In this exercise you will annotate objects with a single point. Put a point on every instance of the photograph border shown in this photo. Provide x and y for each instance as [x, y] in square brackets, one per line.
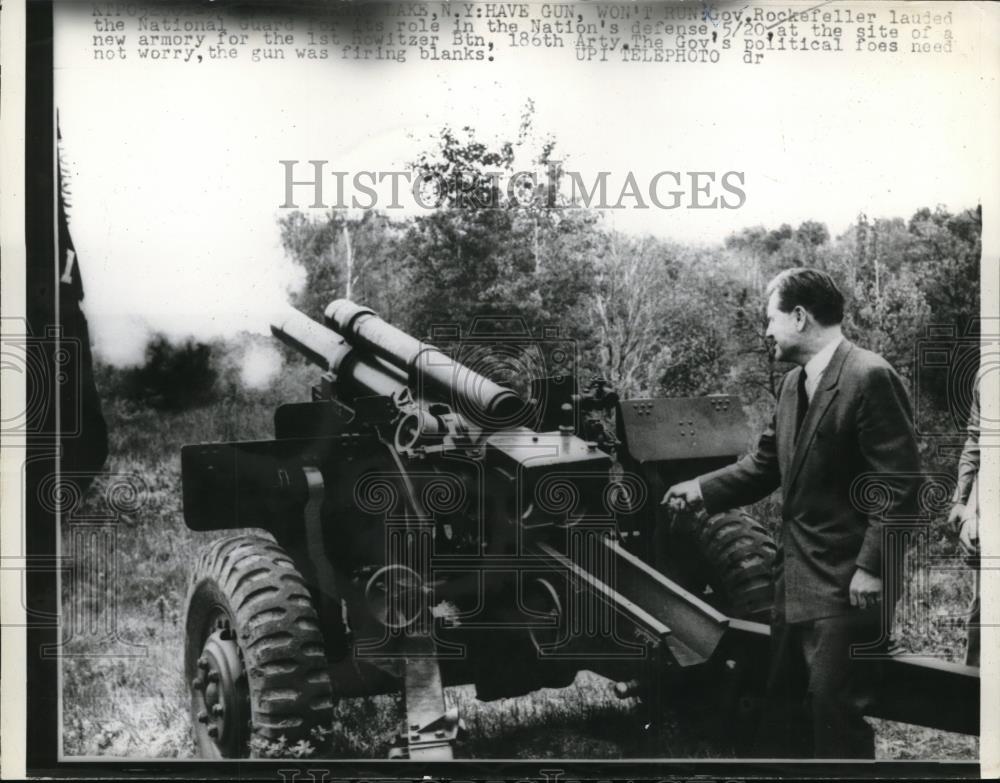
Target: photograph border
[43, 756]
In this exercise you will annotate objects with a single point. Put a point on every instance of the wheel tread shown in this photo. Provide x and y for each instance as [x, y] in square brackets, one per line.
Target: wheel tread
[278, 632]
[741, 554]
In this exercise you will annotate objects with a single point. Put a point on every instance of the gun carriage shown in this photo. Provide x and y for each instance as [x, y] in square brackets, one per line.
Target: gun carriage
[419, 525]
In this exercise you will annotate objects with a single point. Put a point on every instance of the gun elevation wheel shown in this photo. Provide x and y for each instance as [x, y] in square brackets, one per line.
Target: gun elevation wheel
[254, 657]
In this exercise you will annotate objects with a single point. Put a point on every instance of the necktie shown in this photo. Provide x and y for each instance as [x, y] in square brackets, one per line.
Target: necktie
[803, 403]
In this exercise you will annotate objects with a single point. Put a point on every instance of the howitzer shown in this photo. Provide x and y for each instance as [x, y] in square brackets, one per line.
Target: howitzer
[423, 525]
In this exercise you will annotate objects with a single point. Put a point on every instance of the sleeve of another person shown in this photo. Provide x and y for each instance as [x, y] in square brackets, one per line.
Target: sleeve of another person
[968, 462]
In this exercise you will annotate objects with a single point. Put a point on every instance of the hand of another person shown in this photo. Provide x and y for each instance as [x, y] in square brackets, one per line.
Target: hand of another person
[685, 496]
[968, 535]
[956, 514]
[865, 589]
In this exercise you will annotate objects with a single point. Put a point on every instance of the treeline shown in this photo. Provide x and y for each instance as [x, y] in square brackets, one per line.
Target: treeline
[652, 316]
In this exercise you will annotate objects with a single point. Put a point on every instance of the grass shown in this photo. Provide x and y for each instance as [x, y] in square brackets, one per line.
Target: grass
[124, 695]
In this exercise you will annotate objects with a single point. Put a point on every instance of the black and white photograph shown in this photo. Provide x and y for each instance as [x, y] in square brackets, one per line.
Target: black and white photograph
[494, 391]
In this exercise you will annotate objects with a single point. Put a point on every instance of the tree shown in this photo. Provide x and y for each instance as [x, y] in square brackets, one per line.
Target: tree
[625, 308]
[889, 319]
[810, 236]
[945, 255]
[322, 247]
[312, 243]
[497, 245]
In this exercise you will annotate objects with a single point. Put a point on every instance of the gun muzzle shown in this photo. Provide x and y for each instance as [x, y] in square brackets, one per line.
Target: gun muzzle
[432, 374]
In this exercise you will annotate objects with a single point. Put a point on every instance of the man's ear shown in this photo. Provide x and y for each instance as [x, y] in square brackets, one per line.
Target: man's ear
[801, 317]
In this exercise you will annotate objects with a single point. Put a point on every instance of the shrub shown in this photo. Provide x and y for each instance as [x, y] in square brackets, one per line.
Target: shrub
[174, 377]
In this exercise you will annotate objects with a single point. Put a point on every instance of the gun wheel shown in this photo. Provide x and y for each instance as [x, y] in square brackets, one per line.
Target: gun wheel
[254, 656]
[740, 554]
[732, 554]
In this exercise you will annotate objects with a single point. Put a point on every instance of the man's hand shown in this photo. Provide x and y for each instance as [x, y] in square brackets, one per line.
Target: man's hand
[968, 535]
[956, 514]
[685, 496]
[866, 589]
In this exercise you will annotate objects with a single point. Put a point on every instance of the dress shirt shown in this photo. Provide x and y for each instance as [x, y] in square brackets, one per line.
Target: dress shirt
[814, 367]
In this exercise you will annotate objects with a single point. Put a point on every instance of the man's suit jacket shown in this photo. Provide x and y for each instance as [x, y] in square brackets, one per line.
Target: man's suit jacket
[859, 422]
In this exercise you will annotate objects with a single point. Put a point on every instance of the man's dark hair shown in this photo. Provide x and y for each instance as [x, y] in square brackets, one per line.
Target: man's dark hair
[812, 290]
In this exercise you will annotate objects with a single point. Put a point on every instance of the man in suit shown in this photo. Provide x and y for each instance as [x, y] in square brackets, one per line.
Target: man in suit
[842, 416]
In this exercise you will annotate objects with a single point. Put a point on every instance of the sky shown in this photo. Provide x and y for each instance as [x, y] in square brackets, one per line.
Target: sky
[176, 182]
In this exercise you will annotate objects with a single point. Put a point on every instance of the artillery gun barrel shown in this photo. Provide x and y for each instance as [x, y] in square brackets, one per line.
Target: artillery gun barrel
[431, 373]
[357, 375]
